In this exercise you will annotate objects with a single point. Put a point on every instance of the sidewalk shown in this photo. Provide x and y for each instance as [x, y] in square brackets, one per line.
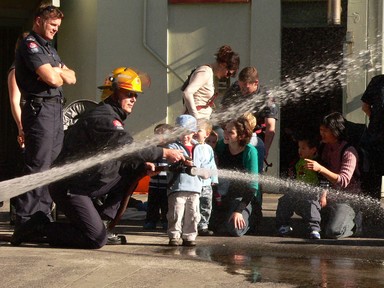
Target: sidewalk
[147, 261]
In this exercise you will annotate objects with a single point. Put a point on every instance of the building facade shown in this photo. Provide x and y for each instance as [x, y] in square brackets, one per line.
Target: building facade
[167, 38]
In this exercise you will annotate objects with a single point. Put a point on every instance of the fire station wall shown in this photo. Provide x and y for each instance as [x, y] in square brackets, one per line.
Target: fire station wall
[99, 36]
[196, 31]
[153, 35]
[356, 45]
[77, 47]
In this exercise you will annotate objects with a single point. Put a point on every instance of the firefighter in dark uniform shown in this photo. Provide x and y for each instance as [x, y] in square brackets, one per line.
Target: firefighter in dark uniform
[40, 74]
[99, 130]
[373, 140]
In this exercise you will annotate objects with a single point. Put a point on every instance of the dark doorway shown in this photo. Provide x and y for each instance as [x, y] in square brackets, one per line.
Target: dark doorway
[10, 153]
[15, 17]
[304, 51]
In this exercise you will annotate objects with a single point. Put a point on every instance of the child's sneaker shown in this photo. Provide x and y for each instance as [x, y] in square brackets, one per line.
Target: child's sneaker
[174, 242]
[189, 243]
[205, 232]
[315, 235]
[285, 230]
[150, 225]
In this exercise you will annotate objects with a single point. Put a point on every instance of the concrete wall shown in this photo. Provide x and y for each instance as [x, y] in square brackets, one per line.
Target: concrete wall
[98, 36]
[356, 42]
[77, 46]
[364, 47]
[166, 41]
[195, 32]
[265, 54]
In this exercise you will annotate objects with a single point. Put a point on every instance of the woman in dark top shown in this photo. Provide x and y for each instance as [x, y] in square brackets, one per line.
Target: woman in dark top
[235, 153]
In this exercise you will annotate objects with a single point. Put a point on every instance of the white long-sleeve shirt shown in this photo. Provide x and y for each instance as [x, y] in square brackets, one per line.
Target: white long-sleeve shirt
[204, 157]
[199, 91]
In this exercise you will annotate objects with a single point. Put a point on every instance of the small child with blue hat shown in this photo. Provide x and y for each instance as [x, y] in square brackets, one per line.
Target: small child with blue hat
[184, 189]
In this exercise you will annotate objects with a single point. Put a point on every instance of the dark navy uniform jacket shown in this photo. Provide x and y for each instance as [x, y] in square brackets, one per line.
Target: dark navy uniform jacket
[101, 130]
[33, 52]
[374, 96]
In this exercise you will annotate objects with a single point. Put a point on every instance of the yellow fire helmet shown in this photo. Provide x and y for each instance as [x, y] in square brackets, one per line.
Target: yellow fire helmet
[107, 86]
[125, 78]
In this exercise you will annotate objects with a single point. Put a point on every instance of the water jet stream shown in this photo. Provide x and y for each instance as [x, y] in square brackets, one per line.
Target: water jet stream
[321, 79]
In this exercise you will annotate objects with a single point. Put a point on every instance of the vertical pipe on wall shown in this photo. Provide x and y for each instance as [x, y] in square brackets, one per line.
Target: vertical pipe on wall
[381, 19]
[334, 12]
[56, 3]
[153, 52]
[381, 32]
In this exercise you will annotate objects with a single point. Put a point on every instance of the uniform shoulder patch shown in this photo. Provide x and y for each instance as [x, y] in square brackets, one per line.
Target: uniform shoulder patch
[30, 38]
[32, 46]
[118, 125]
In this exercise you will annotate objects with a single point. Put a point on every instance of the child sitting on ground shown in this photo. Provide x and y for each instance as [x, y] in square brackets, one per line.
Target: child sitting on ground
[309, 206]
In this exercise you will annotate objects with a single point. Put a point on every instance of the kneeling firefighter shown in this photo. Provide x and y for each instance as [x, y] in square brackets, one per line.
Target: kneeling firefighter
[101, 129]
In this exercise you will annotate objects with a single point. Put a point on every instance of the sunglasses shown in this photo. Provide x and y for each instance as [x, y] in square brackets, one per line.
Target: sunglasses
[231, 73]
[50, 9]
[130, 94]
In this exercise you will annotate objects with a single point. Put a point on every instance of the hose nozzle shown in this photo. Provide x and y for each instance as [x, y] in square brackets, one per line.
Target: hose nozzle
[179, 168]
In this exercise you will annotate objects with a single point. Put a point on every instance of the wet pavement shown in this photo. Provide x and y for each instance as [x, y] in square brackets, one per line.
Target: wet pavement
[263, 260]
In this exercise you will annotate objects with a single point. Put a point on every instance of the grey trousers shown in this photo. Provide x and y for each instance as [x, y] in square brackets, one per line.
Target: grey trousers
[308, 208]
[340, 222]
[205, 207]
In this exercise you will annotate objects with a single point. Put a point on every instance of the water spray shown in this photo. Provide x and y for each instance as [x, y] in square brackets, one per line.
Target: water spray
[17, 186]
[370, 207]
[320, 79]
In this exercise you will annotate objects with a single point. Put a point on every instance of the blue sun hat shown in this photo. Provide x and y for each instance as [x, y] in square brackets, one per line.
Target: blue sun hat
[187, 122]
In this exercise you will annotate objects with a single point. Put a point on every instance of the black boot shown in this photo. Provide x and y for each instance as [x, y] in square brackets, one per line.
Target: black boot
[112, 238]
[33, 227]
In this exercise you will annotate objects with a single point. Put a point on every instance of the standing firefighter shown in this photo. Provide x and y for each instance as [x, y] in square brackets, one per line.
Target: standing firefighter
[40, 75]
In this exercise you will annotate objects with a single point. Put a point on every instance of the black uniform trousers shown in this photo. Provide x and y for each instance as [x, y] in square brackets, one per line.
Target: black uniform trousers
[42, 120]
[86, 229]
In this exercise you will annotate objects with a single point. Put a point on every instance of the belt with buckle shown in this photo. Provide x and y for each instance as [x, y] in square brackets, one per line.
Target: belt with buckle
[54, 99]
